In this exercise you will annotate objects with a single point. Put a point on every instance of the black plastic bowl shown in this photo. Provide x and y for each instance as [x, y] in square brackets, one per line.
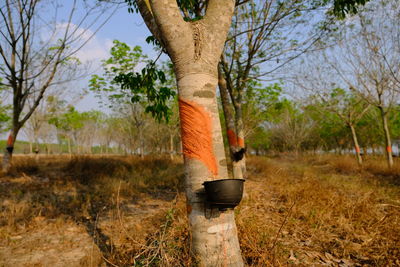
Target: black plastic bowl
[224, 193]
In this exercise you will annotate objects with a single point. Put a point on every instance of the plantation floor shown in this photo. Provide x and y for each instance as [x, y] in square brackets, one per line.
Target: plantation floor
[124, 211]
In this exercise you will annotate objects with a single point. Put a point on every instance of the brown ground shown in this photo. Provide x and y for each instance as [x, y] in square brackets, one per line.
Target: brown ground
[124, 211]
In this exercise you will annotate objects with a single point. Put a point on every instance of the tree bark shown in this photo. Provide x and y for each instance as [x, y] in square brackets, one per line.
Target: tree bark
[195, 49]
[8, 153]
[388, 141]
[356, 145]
[241, 159]
[212, 237]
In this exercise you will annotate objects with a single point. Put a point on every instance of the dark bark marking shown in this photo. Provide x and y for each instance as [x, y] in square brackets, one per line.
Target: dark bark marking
[204, 94]
[238, 155]
[223, 162]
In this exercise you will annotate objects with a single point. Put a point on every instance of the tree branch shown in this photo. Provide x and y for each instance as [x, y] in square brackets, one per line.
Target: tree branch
[164, 20]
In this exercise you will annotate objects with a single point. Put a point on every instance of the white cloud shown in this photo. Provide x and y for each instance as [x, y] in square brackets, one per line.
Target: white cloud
[94, 49]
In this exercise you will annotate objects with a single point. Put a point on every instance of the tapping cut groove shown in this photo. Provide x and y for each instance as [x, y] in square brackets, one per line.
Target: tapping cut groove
[196, 128]
[197, 38]
[10, 140]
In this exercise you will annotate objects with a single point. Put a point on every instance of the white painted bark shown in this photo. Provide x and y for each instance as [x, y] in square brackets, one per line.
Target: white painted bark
[241, 164]
[195, 48]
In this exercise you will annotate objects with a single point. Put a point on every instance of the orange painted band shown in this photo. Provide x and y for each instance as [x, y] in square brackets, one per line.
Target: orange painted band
[389, 149]
[196, 130]
[233, 139]
[240, 142]
[10, 142]
[357, 149]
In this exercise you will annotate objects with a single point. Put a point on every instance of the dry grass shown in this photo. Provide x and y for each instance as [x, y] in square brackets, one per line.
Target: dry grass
[312, 214]
[309, 211]
[125, 204]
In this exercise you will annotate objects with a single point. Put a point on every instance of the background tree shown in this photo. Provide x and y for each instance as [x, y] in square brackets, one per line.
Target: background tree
[330, 133]
[122, 82]
[265, 35]
[130, 91]
[321, 86]
[68, 125]
[342, 8]
[36, 52]
[4, 109]
[37, 127]
[4, 118]
[293, 128]
[367, 57]
[262, 106]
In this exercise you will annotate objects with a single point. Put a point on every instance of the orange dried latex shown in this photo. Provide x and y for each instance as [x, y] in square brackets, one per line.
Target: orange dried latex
[10, 141]
[240, 142]
[196, 131]
[234, 140]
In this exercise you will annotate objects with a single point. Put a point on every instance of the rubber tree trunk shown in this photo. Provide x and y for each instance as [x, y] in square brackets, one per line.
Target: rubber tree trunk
[388, 141]
[236, 152]
[8, 153]
[214, 239]
[356, 145]
[195, 49]
[241, 160]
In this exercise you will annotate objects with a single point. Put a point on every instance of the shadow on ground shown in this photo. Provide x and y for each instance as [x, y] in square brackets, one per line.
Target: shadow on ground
[111, 198]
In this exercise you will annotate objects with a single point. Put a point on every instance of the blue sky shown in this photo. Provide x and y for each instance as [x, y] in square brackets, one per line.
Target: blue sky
[123, 26]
